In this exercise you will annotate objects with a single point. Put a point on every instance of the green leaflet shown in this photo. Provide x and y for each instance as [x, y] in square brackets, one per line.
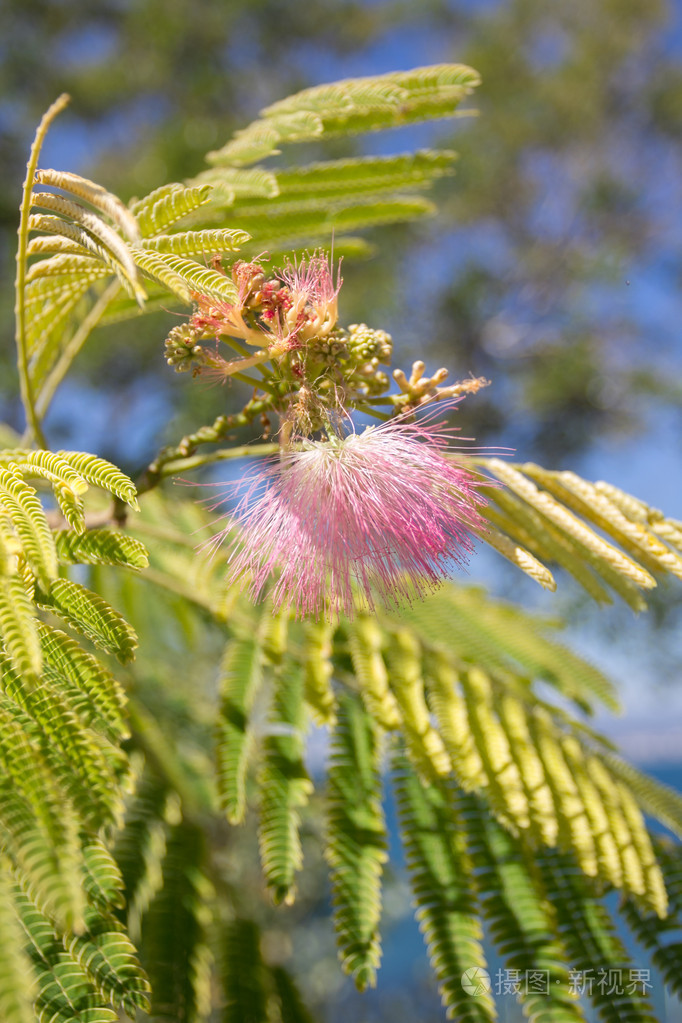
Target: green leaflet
[18, 628]
[196, 276]
[662, 936]
[241, 675]
[253, 991]
[505, 788]
[166, 205]
[69, 473]
[244, 974]
[100, 547]
[93, 194]
[234, 183]
[76, 223]
[317, 649]
[654, 797]
[365, 639]
[140, 848]
[495, 635]
[446, 698]
[589, 937]
[352, 106]
[22, 505]
[356, 839]
[51, 466]
[84, 672]
[39, 835]
[66, 992]
[103, 474]
[424, 744]
[109, 959]
[300, 224]
[205, 243]
[102, 880]
[284, 785]
[554, 514]
[520, 917]
[91, 615]
[365, 174]
[173, 946]
[291, 1006]
[82, 766]
[17, 983]
[447, 908]
[71, 508]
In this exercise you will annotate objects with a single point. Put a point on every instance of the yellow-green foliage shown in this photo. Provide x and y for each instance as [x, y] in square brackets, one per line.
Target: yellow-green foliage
[513, 811]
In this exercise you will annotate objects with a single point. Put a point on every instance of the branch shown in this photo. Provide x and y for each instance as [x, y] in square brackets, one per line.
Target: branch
[177, 456]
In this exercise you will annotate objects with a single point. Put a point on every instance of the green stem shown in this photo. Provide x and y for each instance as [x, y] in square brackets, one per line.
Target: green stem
[212, 434]
[223, 455]
[373, 412]
[34, 430]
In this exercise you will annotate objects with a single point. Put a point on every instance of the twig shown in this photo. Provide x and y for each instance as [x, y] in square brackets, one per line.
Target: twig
[33, 430]
[217, 431]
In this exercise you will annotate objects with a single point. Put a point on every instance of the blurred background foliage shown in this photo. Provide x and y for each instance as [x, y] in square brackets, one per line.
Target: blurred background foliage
[546, 265]
[553, 266]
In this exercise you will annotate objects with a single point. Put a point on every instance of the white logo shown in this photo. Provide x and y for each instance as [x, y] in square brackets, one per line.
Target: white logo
[476, 981]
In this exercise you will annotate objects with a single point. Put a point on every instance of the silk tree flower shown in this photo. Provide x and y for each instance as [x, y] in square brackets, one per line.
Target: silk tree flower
[282, 314]
[313, 292]
[337, 525]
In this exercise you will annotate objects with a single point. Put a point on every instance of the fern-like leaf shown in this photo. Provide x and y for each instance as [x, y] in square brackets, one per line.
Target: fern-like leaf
[300, 223]
[85, 768]
[174, 947]
[18, 628]
[352, 106]
[366, 640]
[102, 879]
[50, 466]
[554, 514]
[81, 670]
[446, 903]
[189, 243]
[185, 276]
[140, 848]
[21, 503]
[167, 205]
[589, 937]
[520, 916]
[17, 982]
[424, 744]
[284, 785]
[245, 976]
[65, 991]
[94, 194]
[241, 675]
[370, 174]
[91, 615]
[37, 823]
[100, 547]
[103, 474]
[109, 959]
[317, 649]
[291, 1006]
[356, 839]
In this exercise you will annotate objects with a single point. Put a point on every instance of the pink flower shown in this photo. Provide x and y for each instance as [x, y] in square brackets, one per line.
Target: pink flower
[382, 514]
[313, 311]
